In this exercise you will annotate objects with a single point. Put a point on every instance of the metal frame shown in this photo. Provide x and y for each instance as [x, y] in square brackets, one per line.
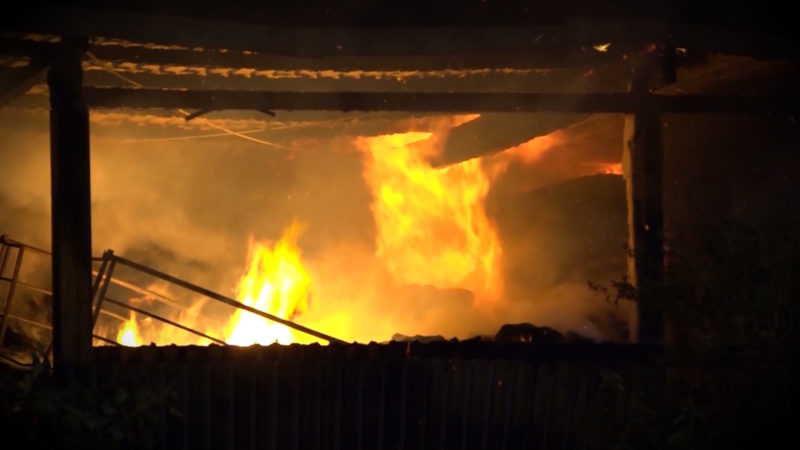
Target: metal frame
[104, 277]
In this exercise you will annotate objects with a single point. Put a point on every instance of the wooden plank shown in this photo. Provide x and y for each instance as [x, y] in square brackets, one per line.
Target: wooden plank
[438, 102]
[71, 210]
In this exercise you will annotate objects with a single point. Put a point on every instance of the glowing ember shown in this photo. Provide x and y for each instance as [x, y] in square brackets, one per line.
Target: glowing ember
[129, 334]
[431, 224]
[611, 168]
[275, 283]
[602, 47]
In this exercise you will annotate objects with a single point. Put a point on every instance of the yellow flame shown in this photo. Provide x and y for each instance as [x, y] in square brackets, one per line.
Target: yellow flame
[431, 224]
[275, 283]
[129, 334]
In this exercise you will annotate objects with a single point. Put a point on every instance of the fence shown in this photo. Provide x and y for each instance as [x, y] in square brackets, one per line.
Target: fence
[451, 395]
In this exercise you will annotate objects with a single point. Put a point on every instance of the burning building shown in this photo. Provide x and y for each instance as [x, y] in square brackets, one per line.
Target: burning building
[308, 178]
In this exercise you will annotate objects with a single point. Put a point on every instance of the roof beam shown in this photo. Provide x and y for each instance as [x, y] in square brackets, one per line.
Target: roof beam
[570, 35]
[624, 103]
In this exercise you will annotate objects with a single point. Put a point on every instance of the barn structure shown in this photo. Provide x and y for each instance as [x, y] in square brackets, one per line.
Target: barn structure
[697, 102]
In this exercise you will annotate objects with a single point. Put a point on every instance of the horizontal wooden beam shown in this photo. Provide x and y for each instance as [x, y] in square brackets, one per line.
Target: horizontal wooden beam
[623, 103]
[143, 54]
[485, 57]
[295, 41]
[565, 34]
[427, 13]
[550, 59]
[493, 133]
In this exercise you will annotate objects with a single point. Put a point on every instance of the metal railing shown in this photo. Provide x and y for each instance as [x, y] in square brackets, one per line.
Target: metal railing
[12, 253]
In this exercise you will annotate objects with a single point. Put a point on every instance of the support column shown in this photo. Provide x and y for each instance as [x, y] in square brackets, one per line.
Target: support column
[71, 210]
[642, 163]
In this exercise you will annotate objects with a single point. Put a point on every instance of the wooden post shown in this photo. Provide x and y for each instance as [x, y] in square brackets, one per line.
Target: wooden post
[71, 210]
[643, 173]
[642, 163]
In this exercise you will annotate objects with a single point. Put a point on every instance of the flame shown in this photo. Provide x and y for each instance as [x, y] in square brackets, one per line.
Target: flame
[129, 334]
[526, 153]
[275, 283]
[431, 224]
[611, 168]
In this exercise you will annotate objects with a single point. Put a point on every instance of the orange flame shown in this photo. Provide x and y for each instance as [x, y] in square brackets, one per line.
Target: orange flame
[275, 283]
[610, 168]
[129, 334]
[431, 223]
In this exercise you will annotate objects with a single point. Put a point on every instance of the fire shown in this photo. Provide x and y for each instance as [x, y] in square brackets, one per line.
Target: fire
[528, 152]
[275, 283]
[611, 168]
[129, 334]
[431, 224]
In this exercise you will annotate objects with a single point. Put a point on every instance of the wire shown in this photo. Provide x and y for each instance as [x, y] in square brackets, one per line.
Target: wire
[184, 138]
[108, 68]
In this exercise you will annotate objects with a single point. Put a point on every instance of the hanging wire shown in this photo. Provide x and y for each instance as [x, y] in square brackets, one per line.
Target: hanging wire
[110, 69]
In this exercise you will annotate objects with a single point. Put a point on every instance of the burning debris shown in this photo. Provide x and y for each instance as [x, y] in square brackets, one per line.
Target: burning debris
[277, 283]
[129, 334]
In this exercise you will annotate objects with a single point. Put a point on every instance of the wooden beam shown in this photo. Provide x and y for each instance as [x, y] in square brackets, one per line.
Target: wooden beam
[492, 133]
[415, 38]
[280, 40]
[426, 13]
[71, 210]
[125, 53]
[623, 103]
[642, 161]
[133, 52]
[547, 59]
[495, 132]
[162, 77]
[643, 169]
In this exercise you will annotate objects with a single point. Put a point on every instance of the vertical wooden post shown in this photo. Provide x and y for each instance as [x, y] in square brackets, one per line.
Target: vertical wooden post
[643, 173]
[642, 163]
[71, 210]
